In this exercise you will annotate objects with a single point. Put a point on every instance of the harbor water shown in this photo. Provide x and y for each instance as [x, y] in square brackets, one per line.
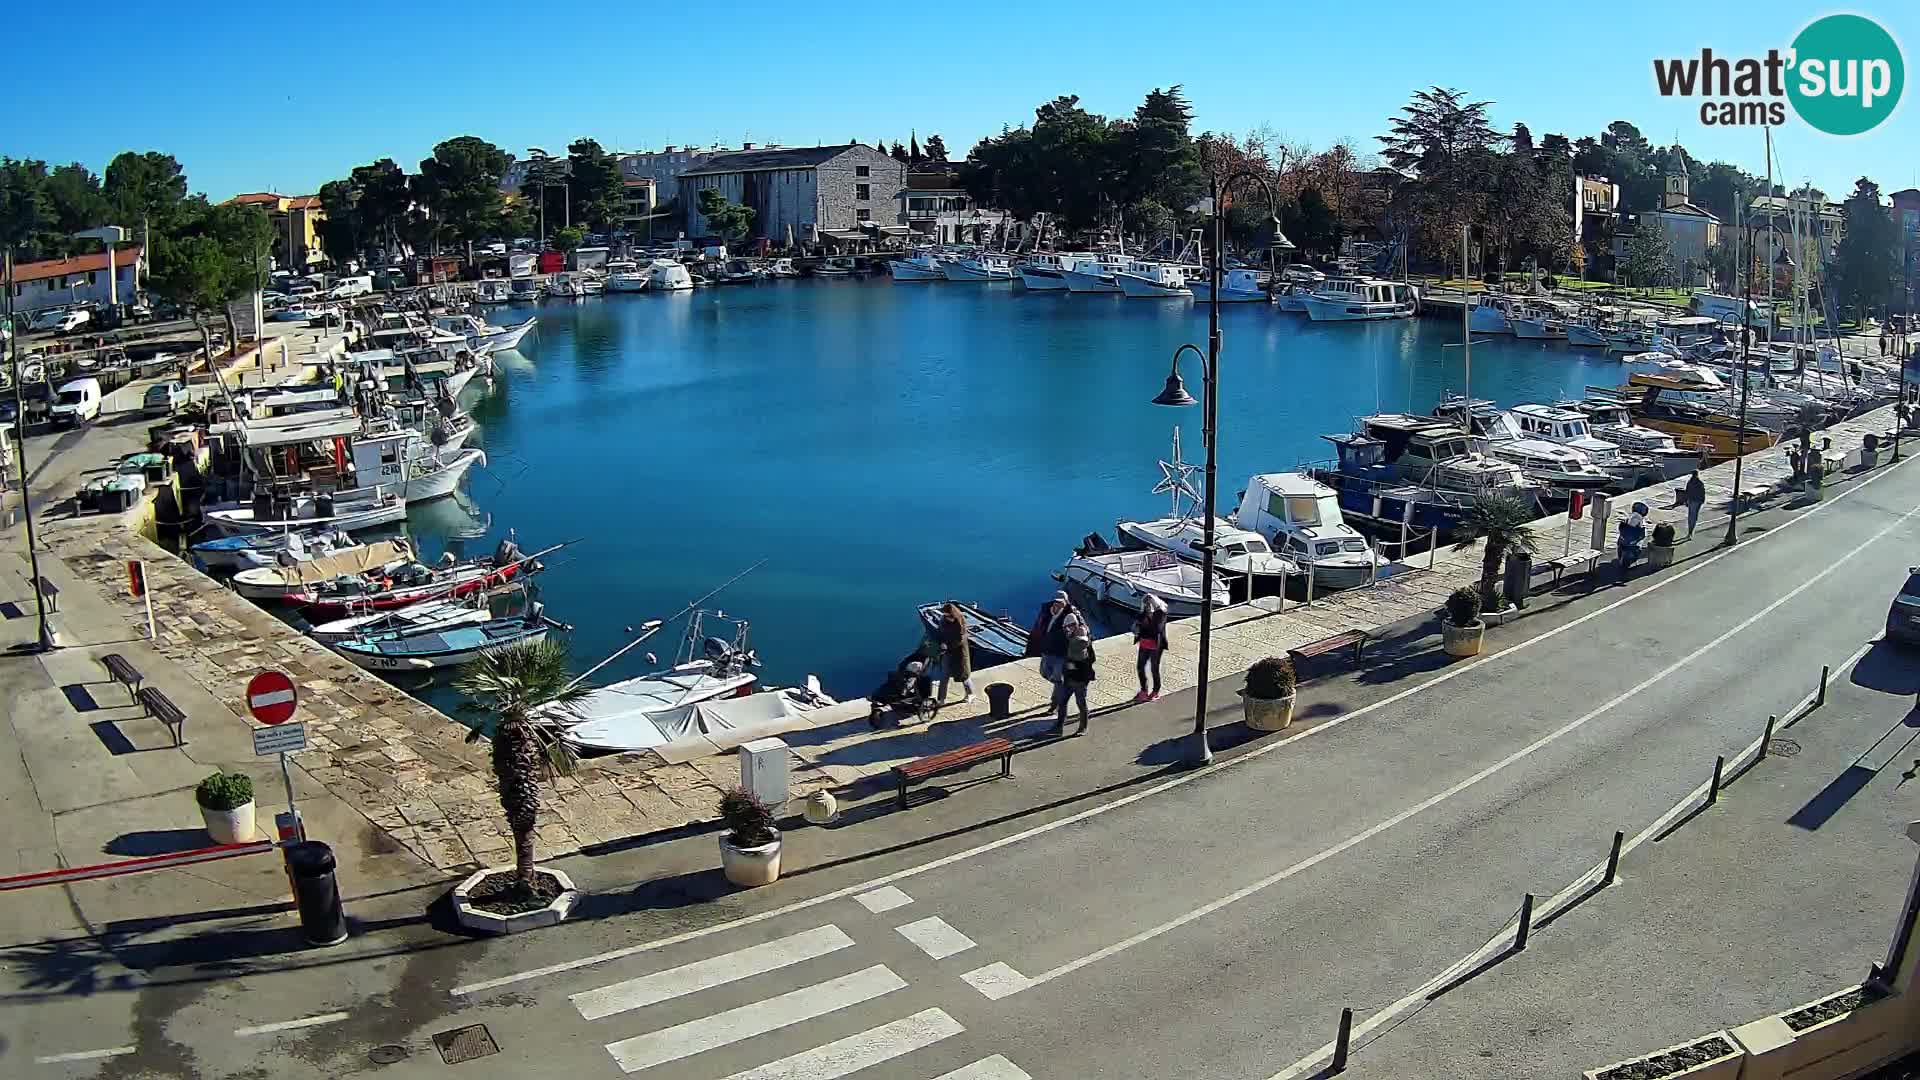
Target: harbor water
[884, 445]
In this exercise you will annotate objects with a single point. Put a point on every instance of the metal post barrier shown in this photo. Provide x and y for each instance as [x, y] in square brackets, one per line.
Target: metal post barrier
[1309, 584]
[1820, 698]
[1613, 860]
[1341, 1042]
[1713, 792]
[1766, 737]
[1526, 924]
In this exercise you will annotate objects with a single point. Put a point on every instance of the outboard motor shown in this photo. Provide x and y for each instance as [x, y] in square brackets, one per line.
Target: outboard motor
[1094, 544]
[508, 552]
[263, 505]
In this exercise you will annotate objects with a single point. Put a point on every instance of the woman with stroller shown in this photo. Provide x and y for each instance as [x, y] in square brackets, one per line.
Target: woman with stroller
[956, 661]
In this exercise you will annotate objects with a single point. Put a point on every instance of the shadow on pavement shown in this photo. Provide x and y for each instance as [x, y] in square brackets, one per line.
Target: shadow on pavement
[156, 842]
[1888, 668]
[1821, 808]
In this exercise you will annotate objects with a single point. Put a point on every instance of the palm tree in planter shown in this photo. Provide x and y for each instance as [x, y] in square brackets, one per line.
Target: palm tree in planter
[510, 685]
[1268, 697]
[1461, 627]
[1501, 520]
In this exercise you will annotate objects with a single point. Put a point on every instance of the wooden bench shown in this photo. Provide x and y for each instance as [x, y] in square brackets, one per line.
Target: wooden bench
[124, 673]
[1355, 638]
[964, 757]
[51, 591]
[162, 708]
[1585, 559]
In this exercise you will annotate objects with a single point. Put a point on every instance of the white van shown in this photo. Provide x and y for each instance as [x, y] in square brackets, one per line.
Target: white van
[77, 403]
[359, 285]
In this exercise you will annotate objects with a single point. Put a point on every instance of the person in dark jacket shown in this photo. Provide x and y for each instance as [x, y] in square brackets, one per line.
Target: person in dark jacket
[1048, 638]
[1695, 497]
[1150, 638]
[956, 659]
[1075, 677]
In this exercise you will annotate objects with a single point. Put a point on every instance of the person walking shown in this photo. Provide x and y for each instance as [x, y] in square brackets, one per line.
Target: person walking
[1694, 497]
[1048, 637]
[1150, 638]
[1075, 677]
[956, 659]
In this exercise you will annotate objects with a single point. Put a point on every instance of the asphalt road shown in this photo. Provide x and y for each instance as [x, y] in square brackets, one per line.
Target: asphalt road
[1208, 924]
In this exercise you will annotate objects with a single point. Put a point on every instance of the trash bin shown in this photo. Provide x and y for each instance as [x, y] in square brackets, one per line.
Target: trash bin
[316, 893]
[1519, 579]
[1000, 700]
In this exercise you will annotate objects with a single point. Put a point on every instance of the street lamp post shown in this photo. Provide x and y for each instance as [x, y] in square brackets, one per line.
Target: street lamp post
[1746, 388]
[1175, 394]
[539, 158]
[47, 640]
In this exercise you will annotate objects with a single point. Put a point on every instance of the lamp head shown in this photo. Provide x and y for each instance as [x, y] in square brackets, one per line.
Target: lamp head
[1175, 392]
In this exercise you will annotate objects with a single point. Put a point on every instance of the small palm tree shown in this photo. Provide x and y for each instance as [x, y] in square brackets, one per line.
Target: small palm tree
[1502, 520]
[510, 685]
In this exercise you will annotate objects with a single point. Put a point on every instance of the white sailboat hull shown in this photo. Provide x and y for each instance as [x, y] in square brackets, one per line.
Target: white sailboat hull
[1142, 288]
[904, 270]
[508, 337]
[426, 483]
[240, 520]
[1081, 282]
[1320, 310]
[1203, 292]
[1043, 280]
[961, 271]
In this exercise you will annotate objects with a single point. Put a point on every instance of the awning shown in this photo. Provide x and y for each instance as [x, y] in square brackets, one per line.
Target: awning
[891, 230]
[844, 234]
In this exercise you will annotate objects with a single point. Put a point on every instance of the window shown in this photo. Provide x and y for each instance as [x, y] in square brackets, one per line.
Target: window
[863, 215]
[862, 170]
[863, 191]
[1303, 510]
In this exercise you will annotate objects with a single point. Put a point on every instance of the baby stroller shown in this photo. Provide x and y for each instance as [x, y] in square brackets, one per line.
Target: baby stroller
[907, 693]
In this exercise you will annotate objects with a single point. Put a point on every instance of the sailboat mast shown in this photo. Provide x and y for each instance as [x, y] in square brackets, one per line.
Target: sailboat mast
[1466, 327]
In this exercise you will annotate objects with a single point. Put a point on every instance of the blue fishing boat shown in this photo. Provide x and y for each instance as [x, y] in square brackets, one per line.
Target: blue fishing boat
[444, 648]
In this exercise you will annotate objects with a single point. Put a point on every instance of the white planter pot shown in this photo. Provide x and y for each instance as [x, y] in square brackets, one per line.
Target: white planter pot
[1660, 556]
[233, 826]
[1462, 640]
[750, 867]
[474, 918]
[1268, 714]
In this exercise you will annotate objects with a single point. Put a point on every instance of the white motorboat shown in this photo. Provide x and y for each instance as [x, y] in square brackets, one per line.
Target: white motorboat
[1612, 421]
[479, 333]
[1490, 314]
[1236, 287]
[665, 275]
[782, 268]
[920, 266]
[1569, 427]
[492, 291]
[1046, 271]
[1241, 555]
[275, 513]
[266, 549]
[1587, 335]
[1158, 280]
[1361, 300]
[286, 582]
[1301, 516]
[726, 721]
[1126, 578]
[423, 478]
[1095, 273]
[704, 668]
[444, 647]
[419, 618]
[1439, 455]
[982, 266]
[1539, 321]
[567, 285]
[625, 276]
[1293, 298]
[1559, 465]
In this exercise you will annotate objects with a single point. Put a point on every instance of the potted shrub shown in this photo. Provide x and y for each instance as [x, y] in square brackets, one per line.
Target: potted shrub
[226, 805]
[750, 843]
[1660, 551]
[1462, 628]
[1268, 695]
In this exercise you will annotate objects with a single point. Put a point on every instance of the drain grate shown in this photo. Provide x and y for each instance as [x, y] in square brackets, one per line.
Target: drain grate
[387, 1054]
[465, 1044]
[1783, 748]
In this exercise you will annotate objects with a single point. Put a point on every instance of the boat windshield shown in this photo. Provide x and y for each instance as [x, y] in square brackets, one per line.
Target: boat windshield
[1355, 545]
[1255, 546]
[1327, 547]
[1233, 549]
[1303, 509]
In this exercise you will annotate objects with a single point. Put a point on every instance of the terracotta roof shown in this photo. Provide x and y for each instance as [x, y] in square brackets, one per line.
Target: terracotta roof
[303, 202]
[79, 264]
[257, 198]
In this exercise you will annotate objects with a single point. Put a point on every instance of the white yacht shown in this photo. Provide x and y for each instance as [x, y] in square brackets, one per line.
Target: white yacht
[782, 268]
[665, 275]
[1145, 280]
[625, 276]
[1491, 314]
[480, 333]
[1301, 516]
[920, 266]
[492, 291]
[1240, 554]
[983, 266]
[1361, 300]
[1293, 298]
[1236, 287]
[1612, 421]
[1095, 273]
[567, 284]
[1558, 466]
[617, 716]
[1539, 321]
[1126, 578]
[1046, 271]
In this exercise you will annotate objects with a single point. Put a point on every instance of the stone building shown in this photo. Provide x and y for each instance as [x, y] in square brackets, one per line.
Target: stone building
[809, 194]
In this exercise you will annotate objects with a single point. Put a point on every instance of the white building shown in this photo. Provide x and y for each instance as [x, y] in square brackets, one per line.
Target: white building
[82, 279]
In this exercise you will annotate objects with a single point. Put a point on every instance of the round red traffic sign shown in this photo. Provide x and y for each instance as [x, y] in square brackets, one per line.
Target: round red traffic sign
[271, 698]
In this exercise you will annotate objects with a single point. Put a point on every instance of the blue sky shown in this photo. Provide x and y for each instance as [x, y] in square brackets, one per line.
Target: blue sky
[285, 97]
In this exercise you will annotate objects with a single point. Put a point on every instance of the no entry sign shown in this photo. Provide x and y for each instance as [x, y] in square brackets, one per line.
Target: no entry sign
[271, 698]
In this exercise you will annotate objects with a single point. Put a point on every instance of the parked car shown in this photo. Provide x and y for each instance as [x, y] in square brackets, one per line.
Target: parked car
[1903, 617]
[162, 399]
[78, 403]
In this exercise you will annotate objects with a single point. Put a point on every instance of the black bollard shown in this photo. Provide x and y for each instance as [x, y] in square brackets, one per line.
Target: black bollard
[316, 893]
[1613, 859]
[1000, 700]
[1342, 1042]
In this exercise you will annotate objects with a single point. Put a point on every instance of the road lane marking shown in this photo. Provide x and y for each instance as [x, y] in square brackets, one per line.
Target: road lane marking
[991, 1068]
[771, 1014]
[996, 980]
[705, 974]
[935, 937]
[883, 899]
[1451, 673]
[855, 1052]
[1441, 796]
[84, 1055]
[291, 1025]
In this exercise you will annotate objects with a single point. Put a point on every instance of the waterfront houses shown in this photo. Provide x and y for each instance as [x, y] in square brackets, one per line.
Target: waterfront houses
[807, 194]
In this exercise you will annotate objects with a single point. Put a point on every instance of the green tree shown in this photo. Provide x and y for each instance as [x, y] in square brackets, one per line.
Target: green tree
[899, 153]
[144, 188]
[461, 182]
[596, 187]
[565, 240]
[1155, 156]
[1501, 522]
[729, 220]
[511, 686]
[216, 256]
[935, 150]
[1446, 141]
[1312, 224]
[23, 205]
[341, 228]
[1866, 264]
[383, 198]
[1649, 259]
[1721, 262]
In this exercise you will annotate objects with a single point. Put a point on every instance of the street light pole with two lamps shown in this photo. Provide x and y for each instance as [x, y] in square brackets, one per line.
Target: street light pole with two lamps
[1175, 394]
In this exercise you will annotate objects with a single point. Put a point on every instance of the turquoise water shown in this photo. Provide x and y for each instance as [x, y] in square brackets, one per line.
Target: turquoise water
[883, 445]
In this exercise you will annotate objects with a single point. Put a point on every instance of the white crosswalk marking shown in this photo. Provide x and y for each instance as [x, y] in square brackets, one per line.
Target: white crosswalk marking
[935, 937]
[885, 898]
[993, 1068]
[856, 1052]
[718, 971]
[721, 1029]
[996, 980]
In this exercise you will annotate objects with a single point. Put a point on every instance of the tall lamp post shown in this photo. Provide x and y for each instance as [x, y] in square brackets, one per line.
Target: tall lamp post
[1740, 433]
[1175, 394]
[47, 640]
